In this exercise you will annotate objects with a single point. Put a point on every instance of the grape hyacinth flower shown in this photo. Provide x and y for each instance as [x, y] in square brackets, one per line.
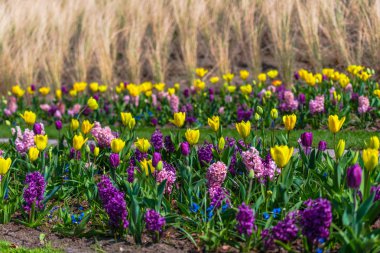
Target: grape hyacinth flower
[157, 140]
[113, 202]
[284, 231]
[154, 222]
[246, 220]
[316, 219]
[34, 193]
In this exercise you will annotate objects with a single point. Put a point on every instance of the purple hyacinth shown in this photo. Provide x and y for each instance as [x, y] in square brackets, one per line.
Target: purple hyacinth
[246, 220]
[157, 140]
[131, 171]
[139, 156]
[185, 148]
[74, 154]
[34, 193]
[169, 145]
[316, 219]
[154, 222]
[217, 195]
[322, 146]
[113, 203]
[114, 160]
[354, 176]
[285, 231]
[205, 154]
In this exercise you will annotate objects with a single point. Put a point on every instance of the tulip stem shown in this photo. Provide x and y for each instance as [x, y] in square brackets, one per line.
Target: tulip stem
[367, 184]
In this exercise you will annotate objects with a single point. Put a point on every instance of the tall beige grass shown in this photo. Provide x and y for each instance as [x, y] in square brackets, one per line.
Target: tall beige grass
[55, 42]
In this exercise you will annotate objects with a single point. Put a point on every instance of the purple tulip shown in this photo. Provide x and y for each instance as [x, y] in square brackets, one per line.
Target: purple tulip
[185, 148]
[302, 98]
[322, 146]
[37, 128]
[114, 160]
[156, 158]
[186, 93]
[33, 87]
[64, 89]
[354, 176]
[58, 125]
[307, 139]
[96, 97]
[296, 75]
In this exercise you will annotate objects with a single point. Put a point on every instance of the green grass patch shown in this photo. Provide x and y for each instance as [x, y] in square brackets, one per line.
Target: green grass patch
[6, 247]
[355, 139]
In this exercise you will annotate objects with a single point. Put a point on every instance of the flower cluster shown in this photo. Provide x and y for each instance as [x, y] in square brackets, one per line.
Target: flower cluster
[154, 221]
[167, 173]
[246, 220]
[34, 193]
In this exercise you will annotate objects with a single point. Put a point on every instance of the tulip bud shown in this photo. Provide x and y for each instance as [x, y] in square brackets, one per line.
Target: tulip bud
[96, 151]
[257, 116]
[88, 149]
[156, 158]
[307, 139]
[185, 148]
[221, 143]
[355, 158]
[274, 113]
[374, 142]
[354, 176]
[259, 110]
[114, 160]
[160, 165]
[58, 125]
[339, 149]
[322, 146]
[251, 174]
[7, 122]
[269, 193]
[37, 128]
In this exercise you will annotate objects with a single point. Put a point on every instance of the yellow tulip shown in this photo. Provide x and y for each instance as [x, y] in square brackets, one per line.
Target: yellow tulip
[44, 90]
[221, 143]
[41, 141]
[214, 123]
[86, 126]
[274, 113]
[92, 103]
[370, 158]
[94, 87]
[142, 144]
[179, 119]
[244, 74]
[243, 128]
[58, 94]
[73, 93]
[29, 117]
[159, 86]
[117, 145]
[131, 123]
[171, 91]
[177, 86]
[5, 164]
[231, 88]
[147, 165]
[96, 151]
[201, 72]
[192, 136]
[214, 79]
[17, 91]
[281, 155]
[228, 77]
[374, 143]
[246, 89]
[272, 73]
[33, 153]
[78, 142]
[79, 86]
[289, 121]
[339, 149]
[74, 124]
[199, 85]
[335, 124]
[262, 77]
[102, 88]
[125, 117]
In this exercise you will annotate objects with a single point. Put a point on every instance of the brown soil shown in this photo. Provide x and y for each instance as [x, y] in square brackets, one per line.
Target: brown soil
[20, 235]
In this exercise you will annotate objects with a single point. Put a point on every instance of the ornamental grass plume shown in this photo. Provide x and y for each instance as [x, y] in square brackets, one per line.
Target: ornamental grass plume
[245, 218]
[316, 219]
[113, 203]
[34, 193]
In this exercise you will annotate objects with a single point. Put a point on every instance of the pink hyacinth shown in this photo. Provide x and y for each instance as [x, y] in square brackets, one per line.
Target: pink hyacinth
[167, 173]
[75, 110]
[174, 102]
[126, 99]
[317, 105]
[154, 100]
[103, 136]
[289, 104]
[11, 106]
[363, 104]
[45, 107]
[263, 169]
[24, 140]
[216, 174]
